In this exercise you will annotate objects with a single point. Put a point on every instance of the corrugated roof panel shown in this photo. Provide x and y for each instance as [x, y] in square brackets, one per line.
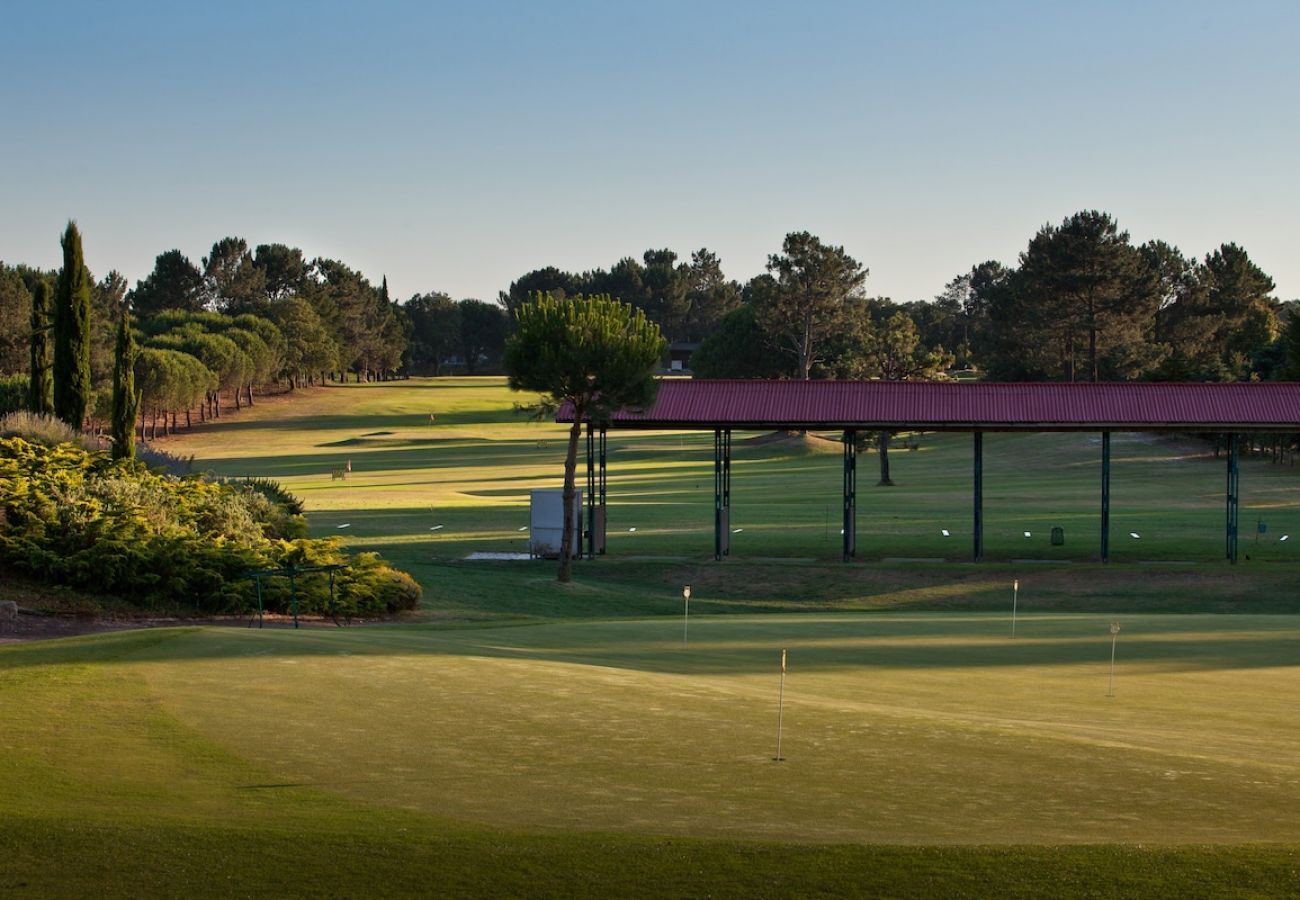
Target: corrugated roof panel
[699, 403]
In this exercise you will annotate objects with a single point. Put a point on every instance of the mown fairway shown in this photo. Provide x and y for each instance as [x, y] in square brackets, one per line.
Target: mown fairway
[521, 737]
[471, 472]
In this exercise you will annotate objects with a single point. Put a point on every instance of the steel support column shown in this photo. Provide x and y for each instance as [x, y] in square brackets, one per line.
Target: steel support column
[1233, 498]
[602, 483]
[1105, 496]
[721, 492]
[591, 493]
[978, 553]
[850, 530]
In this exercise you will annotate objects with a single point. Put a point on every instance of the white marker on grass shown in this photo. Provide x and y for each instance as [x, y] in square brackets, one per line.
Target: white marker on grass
[344, 525]
[525, 528]
[1027, 534]
[944, 532]
[1283, 538]
[436, 527]
[737, 530]
[1134, 535]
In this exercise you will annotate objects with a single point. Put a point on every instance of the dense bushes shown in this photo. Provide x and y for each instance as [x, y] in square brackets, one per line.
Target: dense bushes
[15, 393]
[77, 518]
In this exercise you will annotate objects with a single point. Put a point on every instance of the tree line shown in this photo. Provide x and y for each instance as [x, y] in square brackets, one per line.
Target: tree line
[206, 336]
[1082, 303]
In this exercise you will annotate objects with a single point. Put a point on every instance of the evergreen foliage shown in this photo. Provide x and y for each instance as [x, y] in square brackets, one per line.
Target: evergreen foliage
[72, 386]
[17, 285]
[738, 349]
[126, 402]
[41, 398]
[174, 284]
[815, 282]
[15, 393]
[78, 518]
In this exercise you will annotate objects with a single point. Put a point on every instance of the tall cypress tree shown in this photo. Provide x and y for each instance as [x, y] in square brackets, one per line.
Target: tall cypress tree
[72, 333]
[41, 398]
[126, 402]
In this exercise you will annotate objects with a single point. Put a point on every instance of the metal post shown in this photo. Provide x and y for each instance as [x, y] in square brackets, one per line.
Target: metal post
[603, 480]
[1105, 496]
[726, 480]
[591, 493]
[717, 493]
[979, 496]
[1233, 498]
[850, 494]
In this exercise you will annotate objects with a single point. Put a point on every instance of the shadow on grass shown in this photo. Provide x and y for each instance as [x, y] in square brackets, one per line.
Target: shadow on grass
[730, 646]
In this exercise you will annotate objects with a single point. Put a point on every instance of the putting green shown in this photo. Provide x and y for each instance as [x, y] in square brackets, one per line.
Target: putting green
[897, 728]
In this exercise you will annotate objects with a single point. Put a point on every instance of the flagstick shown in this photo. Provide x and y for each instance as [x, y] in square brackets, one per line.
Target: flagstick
[780, 710]
[1114, 636]
[686, 613]
[1015, 599]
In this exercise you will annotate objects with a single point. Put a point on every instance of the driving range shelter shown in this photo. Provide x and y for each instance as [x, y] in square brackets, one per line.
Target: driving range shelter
[853, 407]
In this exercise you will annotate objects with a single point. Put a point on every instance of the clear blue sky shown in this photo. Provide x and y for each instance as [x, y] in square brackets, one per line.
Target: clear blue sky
[456, 146]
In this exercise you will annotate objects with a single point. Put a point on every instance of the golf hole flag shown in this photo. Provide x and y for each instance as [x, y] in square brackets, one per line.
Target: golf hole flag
[782, 662]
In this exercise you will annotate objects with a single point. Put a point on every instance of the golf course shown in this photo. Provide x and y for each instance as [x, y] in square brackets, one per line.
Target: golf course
[1129, 729]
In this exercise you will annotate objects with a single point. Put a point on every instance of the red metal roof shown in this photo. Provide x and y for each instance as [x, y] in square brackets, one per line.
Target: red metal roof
[966, 406]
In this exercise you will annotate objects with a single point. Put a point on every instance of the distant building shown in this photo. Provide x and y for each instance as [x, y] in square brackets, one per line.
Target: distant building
[679, 355]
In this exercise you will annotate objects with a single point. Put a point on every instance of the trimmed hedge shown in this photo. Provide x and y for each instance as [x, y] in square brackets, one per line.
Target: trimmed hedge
[73, 517]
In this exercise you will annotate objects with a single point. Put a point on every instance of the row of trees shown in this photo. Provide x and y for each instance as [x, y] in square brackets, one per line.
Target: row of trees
[1082, 303]
[345, 323]
[687, 300]
[78, 344]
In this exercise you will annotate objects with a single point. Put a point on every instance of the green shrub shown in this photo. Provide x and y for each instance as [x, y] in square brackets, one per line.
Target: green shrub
[15, 393]
[78, 518]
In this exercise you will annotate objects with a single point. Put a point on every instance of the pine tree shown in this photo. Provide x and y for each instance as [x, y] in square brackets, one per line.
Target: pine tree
[595, 354]
[72, 333]
[41, 399]
[126, 402]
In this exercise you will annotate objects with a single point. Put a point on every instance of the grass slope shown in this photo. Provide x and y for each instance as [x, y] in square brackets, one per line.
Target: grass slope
[593, 753]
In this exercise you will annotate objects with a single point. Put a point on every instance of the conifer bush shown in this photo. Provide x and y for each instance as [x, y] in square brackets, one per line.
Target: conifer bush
[78, 518]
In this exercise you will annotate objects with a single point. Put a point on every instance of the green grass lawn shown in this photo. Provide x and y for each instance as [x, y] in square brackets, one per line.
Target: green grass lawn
[525, 738]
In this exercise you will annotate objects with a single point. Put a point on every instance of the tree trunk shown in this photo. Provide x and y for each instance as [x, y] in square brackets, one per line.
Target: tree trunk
[250, 394]
[238, 402]
[188, 423]
[885, 480]
[570, 468]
